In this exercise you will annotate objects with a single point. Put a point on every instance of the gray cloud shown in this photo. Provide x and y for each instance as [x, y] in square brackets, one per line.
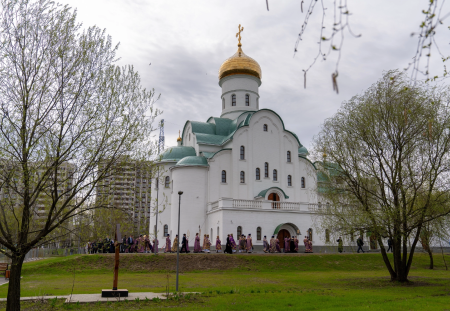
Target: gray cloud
[187, 41]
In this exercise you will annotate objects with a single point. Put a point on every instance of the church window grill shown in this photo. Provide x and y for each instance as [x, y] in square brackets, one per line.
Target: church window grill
[303, 182]
[223, 103]
[224, 176]
[258, 174]
[265, 127]
[239, 232]
[247, 100]
[166, 230]
[242, 177]
[275, 175]
[167, 182]
[258, 233]
[327, 235]
[289, 156]
[266, 170]
[289, 180]
[242, 156]
[233, 100]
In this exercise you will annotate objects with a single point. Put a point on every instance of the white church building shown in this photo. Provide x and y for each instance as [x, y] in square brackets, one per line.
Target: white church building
[242, 173]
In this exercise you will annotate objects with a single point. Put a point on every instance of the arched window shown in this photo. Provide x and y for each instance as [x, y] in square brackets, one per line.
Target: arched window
[266, 170]
[189, 136]
[239, 232]
[275, 175]
[233, 100]
[310, 234]
[157, 183]
[265, 127]
[258, 175]
[218, 231]
[257, 103]
[247, 100]
[166, 230]
[303, 182]
[352, 235]
[224, 176]
[167, 182]
[258, 233]
[223, 103]
[327, 235]
[289, 180]
[289, 156]
[242, 177]
[242, 156]
[211, 236]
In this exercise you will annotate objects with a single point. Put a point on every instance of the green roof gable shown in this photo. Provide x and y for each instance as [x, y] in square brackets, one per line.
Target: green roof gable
[263, 193]
[174, 154]
[193, 161]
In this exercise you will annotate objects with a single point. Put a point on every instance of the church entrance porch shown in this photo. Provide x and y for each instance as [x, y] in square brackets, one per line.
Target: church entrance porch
[283, 233]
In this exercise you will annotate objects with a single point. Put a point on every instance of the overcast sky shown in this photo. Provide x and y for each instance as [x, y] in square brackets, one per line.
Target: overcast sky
[186, 42]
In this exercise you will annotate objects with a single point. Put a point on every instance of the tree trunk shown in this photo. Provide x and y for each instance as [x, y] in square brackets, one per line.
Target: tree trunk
[13, 301]
[431, 257]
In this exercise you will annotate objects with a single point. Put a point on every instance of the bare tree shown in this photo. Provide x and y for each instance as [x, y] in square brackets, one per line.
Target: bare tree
[387, 165]
[64, 108]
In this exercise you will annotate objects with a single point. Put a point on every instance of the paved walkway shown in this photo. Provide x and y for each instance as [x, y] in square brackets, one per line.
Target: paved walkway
[84, 298]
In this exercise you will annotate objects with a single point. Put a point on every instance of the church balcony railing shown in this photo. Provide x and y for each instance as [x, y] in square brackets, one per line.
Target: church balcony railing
[230, 203]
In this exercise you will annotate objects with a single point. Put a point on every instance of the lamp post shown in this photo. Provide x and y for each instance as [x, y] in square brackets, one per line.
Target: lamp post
[178, 242]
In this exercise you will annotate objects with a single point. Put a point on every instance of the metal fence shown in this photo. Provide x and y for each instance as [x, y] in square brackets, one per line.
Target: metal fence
[40, 253]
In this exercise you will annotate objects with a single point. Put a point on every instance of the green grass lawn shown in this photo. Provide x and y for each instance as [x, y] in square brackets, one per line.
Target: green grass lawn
[250, 282]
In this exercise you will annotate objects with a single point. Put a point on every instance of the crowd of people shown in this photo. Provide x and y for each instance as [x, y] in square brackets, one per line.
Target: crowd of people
[142, 244]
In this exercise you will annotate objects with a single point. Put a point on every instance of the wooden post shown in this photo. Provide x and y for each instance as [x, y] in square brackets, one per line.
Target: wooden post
[116, 292]
[117, 238]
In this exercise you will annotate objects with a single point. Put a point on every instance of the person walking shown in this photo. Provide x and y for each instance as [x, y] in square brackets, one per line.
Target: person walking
[197, 248]
[175, 244]
[184, 246]
[360, 243]
[228, 249]
[340, 245]
[265, 245]
[249, 243]
[168, 248]
[218, 244]
[233, 243]
[390, 245]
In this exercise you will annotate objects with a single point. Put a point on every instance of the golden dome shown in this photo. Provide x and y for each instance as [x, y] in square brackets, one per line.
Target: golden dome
[240, 64]
[179, 137]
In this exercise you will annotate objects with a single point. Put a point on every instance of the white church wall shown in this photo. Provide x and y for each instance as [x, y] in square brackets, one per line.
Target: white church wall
[193, 182]
[164, 204]
[239, 85]
[217, 189]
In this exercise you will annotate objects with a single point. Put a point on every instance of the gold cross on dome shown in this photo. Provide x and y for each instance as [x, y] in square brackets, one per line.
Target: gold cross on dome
[238, 35]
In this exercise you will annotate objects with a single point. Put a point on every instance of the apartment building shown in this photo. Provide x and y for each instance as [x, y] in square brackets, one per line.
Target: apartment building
[128, 186]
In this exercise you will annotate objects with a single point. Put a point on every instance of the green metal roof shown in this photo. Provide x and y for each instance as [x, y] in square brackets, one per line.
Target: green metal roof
[288, 223]
[174, 154]
[263, 193]
[303, 150]
[222, 129]
[193, 161]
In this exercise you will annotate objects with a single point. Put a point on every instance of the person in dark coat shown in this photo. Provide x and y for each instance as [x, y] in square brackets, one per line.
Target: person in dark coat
[292, 246]
[340, 245]
[390, 245]
[184, 245]
[228, 248]
[360, 243]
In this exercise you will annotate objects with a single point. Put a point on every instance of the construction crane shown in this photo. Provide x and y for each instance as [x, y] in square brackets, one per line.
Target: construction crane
[161, 138]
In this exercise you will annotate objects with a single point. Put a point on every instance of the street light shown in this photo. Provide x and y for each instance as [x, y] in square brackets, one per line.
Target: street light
[178, 242]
